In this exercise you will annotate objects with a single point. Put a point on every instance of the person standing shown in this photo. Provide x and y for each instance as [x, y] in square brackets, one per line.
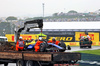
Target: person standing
[37, 45]
[54, 41]
[20, 44]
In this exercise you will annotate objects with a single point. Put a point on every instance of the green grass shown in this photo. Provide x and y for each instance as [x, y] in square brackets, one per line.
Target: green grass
[95, 52]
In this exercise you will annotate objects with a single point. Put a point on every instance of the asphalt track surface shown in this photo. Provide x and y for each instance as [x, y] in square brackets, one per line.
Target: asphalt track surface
[84, 62]
[77, 48]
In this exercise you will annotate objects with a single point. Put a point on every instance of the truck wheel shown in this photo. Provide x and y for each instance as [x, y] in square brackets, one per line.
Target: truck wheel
[5, 64]
[29, 63]
[20, 63]
[32, 63]
[48, 65]
[36, 63]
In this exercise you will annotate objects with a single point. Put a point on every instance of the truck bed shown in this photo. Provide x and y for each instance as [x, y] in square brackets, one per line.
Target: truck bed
[40, 56]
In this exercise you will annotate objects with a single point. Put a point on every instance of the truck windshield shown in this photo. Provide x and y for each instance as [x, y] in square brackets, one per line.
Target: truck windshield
[3, 39]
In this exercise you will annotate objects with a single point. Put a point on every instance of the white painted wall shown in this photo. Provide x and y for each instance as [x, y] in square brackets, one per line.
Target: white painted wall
[71, 25]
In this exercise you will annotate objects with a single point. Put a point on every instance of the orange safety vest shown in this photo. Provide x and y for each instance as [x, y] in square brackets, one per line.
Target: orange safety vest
[20, 45]
[56, 42]
[37, 45]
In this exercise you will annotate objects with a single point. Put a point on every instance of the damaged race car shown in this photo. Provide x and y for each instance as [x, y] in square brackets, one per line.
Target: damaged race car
[48, 47]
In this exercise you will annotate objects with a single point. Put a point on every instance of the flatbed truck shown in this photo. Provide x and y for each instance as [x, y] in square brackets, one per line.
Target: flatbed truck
[30, 58]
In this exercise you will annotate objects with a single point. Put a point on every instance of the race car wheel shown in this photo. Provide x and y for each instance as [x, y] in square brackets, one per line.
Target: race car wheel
[69, 48]
[42, 47]
[62, 45]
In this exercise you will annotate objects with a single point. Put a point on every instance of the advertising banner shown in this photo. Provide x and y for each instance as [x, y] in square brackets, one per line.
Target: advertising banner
[10, 37]
[72, 43]
[67, 39]
[96, 43]
[64, 38]
[77, 43]
[94, 36]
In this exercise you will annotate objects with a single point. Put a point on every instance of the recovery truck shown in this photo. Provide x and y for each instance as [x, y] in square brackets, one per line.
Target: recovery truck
[30, 58]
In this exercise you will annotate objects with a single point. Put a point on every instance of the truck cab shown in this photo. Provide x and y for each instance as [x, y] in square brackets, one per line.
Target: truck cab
[4, 39]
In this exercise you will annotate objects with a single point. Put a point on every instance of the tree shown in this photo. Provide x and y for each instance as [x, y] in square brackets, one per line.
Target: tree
[72, 11]
[55, 14]
[38, 18]
[11, 18]
[29, 19]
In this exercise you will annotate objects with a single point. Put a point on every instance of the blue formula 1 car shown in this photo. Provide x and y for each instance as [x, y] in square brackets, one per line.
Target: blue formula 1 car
[48, 47]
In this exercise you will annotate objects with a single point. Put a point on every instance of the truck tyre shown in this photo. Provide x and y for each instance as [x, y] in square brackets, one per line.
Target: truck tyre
[20, 63]
[5, 64]
[29, 63]
[36, 63]
[62, 44]
[32, 63]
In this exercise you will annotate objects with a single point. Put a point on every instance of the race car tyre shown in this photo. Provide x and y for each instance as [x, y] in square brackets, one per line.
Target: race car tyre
[42, 47]
[62, 45]
[69, 48]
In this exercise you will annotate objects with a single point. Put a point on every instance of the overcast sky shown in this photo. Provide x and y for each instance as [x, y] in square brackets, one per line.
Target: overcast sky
[34, 8]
